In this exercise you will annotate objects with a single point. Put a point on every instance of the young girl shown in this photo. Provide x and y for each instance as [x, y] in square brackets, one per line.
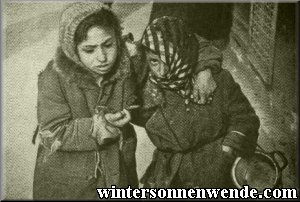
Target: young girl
[191, 140]
[83, 94]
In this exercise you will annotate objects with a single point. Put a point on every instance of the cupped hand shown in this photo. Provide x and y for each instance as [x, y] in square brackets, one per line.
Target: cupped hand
[103, 131]
[118, 119]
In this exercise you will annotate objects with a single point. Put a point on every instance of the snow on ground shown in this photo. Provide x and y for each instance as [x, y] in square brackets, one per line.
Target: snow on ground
[20, 99]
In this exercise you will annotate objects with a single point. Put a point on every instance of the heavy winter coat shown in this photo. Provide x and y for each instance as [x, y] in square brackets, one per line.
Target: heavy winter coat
[71, 165]
[189, 143]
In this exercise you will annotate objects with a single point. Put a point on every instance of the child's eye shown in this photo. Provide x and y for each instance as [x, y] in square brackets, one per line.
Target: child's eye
[154, 62]
[89, 51]
[108, 45]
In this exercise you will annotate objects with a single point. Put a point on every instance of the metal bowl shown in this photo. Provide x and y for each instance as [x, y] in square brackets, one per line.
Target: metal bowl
[261, 171]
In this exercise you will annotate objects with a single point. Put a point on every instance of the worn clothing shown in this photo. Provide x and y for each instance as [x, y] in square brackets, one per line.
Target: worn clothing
[70, 163]
[189, 136]
[189, 144]
[78, 164]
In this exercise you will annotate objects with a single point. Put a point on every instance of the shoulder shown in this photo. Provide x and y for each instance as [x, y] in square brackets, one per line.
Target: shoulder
[135, 53]
[131, 45]
[49, 78]
[59, 65]
[137, 59]
[132, 48]
[48, 72]
[64, 69]
[224, 75]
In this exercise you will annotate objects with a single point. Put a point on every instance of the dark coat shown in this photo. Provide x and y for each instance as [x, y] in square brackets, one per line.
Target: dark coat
[67, 160]
[189, 143]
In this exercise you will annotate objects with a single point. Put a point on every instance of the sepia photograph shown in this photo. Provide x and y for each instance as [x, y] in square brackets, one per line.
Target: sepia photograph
[116, 99]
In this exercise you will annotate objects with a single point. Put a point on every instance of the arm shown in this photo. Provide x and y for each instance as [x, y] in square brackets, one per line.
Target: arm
[242, 120]
[209, 63]
[57, 128]
[138, 60]
[209, 57]
[143, 113]
[139, 76]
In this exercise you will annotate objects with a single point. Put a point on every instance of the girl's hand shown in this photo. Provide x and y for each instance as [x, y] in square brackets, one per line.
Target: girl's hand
[118, 119]
[103, 132]
[204, 86]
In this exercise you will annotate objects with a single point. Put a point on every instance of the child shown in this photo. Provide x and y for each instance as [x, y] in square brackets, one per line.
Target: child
[190, 138]
[83, 94]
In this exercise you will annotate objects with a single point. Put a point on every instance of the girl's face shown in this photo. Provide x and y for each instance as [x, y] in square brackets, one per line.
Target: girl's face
[99, 51]
[157, 66]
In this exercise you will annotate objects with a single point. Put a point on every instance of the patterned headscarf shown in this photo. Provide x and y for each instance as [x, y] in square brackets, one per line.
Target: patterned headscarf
[177, 48]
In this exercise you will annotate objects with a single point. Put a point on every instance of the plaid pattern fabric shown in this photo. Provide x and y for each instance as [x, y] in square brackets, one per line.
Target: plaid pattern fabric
[169, 38]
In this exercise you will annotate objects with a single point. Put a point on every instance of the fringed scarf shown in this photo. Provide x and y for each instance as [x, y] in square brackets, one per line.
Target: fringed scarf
[178, 49]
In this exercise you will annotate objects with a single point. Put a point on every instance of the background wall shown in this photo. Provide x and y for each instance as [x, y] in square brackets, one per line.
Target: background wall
[275, 104]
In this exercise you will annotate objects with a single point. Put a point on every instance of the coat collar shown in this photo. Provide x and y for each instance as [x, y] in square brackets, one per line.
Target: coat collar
[72, 72]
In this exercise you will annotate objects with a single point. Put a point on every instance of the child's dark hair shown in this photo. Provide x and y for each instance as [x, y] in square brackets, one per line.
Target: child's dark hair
[104, 18]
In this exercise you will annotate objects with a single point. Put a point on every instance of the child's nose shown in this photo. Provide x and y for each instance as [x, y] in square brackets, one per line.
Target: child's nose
[101, 55]
[163, 70]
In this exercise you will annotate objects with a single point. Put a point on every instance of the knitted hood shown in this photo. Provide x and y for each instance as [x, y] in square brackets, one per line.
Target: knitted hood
[71, 17]
[67, 62]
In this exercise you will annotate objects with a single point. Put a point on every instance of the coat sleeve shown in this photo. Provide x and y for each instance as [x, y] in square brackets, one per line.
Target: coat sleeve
[140, 72]
[139, 63]
[141, 115]
[243, 123]
[57, 128]
[209, 56]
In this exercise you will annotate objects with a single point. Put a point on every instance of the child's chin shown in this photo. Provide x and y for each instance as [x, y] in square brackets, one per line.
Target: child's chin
[102, 72]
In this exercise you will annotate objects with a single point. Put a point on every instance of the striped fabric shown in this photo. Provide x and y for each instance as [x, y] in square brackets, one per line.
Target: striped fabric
[177, 48]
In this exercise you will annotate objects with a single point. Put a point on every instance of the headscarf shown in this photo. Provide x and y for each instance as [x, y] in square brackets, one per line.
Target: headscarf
[169, 38]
